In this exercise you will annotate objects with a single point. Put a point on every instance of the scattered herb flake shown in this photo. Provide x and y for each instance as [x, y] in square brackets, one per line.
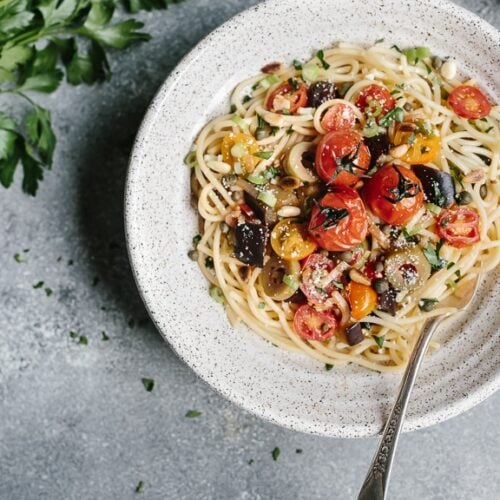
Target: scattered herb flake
[297, 64]
[489, 129]
[250, 462]
[379, 40]
[379, 340]
[299, 451]
[276, 453]
[192, 414]
[19, 258]
[38, 285]
[328, 367]
[73, 335]
[432, 255]
[261, 305]
[71, 262]
[232, 109]
[196, 240]
[104, 336]
[427, 305]
[140, 487]
[246, 99]
[48, 291]
[321, 56]
[209, 263]
[148, 384]
[265, 155]
[83, 340]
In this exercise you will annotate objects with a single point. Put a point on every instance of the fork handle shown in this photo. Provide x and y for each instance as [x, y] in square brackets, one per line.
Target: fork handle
[376, 483]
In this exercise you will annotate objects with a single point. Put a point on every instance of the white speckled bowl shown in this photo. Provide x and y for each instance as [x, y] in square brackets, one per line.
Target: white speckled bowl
[286, 388]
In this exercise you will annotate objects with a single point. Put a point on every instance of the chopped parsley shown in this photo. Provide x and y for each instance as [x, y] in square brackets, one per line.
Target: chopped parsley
[379, 40]
[427, 305]
[232, 109]
[140, 487]
[297, 64]
[456, 173]
[73, 335]
[379, 340]
[271, 173]
[328, 367]
[209, 263]
[246, 99]
[261, 305]
[38, 285]
[192, 414]
[265, 155]
[293, 83]
[276, 453]
[19, 258]
[299, 451]
[432, 255]
[321, 56]
[395, 47]
[489, 129]
[411, 139]
[148, 384]
[83, 340]
[104, 336]
[48, 291]
[395, 115]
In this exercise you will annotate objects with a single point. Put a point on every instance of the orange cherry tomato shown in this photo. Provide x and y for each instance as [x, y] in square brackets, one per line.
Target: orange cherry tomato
[339, 221]
[423, 149]
[459, 227]
[310, 324]
[297, 97]
[362, 299]
[394, 194]
[375, 99]
[240, 148]
[339, 117]
[341, 157]
[291, 241]
[469, 102]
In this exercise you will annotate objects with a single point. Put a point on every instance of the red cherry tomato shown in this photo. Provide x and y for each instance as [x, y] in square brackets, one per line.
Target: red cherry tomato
[339, 117]
[339, 222]
[375, 99]
[310, 324]
[459, 227]
[341, 156]
[394, 194]
[469, 102]
[297, 97]
[316, 268]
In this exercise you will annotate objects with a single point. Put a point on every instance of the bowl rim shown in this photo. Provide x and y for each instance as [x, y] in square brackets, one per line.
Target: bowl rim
[433, 417]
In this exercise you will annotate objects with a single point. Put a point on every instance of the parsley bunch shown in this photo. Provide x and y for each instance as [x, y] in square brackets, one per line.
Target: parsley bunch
[42, 42]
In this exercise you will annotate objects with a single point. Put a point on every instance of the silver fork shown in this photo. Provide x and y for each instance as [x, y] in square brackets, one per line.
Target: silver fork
[376, 483]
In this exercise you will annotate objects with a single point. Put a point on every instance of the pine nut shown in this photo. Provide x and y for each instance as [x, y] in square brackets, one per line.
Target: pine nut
[356, 276]
[289, 211]
[448, 70]
[399, 151]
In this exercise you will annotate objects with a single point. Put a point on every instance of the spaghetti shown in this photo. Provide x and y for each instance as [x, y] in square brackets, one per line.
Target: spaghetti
[342, 199]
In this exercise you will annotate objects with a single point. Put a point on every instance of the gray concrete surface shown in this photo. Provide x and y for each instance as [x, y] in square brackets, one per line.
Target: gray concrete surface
[75, 420]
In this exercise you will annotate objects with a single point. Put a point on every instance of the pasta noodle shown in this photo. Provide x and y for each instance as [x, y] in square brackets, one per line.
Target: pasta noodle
[469, 150]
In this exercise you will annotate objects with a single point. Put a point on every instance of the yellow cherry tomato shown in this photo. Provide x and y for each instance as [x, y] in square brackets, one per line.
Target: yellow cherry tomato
[423, 149]
[362, 299]
[291, 240]
[240, 148]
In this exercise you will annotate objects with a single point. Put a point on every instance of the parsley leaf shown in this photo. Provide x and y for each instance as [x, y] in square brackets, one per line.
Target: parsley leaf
[148, 384]
[276, 453]
[328, 367]
[321, 56]
[432, 255]
[192, 414]
[379, 340]
[140, 487]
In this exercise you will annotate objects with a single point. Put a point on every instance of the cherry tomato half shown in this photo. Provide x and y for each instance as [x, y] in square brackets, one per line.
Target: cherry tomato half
[375, 99]
[339, 222]
[342, 156]
[296, 97]
[339, 117]
[362, 299]
[310, 324]
[469, 102]
[394, 194]
[459, 227]
[246, 147]
[316, 268]
[290, 240]
[424, 149]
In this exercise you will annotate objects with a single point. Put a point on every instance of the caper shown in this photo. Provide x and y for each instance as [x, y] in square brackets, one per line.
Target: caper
[346, 256]
[380, 285]
[271, 277]
[483, 191]
[437, 62]
[229, 180]
[237, 196]
[193, 254]
[464, 198]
